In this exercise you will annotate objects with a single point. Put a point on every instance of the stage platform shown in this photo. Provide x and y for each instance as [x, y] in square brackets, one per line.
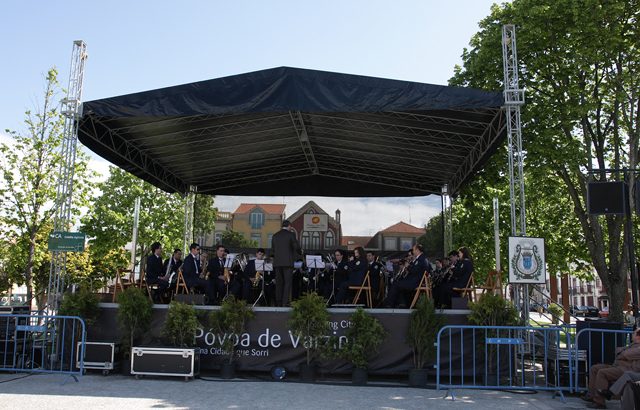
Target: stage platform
[268, 341]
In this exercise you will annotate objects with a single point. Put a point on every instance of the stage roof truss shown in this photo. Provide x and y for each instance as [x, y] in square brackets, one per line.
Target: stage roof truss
[299, 140]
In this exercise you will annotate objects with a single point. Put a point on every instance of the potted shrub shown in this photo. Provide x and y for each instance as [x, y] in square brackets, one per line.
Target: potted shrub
[556, 312]
[309, 322]
[493, 311]
[134, 317]
[424, 326]
[364, 335]
[85, 305]
[230, 320]
[181, 325]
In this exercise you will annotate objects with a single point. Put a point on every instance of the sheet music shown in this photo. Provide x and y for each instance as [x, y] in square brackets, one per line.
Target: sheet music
[228, 263]
[389, 266]
[268, 267]
[259, 265]
[297, 265]
[314, 262]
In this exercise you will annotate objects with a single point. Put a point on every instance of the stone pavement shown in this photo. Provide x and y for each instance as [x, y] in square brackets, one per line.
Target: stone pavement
[118, 392]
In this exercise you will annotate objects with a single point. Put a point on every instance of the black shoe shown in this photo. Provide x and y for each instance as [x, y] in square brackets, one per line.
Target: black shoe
[606, 393]
[587, 397]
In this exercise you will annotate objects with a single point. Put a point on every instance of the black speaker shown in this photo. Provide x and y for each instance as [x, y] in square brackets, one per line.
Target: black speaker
[607, 198]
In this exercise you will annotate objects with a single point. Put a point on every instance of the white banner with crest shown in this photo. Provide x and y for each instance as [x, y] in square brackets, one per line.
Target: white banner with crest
[526, 260]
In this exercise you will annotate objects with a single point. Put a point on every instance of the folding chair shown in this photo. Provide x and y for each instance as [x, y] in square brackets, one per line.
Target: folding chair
[423, 287]
[366, 286]
[468, 291]
[181, 284]
[493, 283]
[119, 283]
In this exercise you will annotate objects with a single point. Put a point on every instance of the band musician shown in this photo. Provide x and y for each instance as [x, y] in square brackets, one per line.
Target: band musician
[191, 271]
[171, 266]
[358, 267]
[456, 276]
[154, 273]
[254, 281]
[375, 272]
[414, 273]
[219, 282]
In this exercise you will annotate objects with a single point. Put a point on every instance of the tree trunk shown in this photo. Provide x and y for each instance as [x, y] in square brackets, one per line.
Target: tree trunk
[28, 273]
[617, 295]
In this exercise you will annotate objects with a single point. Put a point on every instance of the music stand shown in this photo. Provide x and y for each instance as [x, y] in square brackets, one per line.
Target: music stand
[334, 268]
[228, 264]
[261, 265]
[315, 262]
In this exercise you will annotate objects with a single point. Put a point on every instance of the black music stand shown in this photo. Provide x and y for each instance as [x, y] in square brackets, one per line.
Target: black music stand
[315, 262]
[266, 267]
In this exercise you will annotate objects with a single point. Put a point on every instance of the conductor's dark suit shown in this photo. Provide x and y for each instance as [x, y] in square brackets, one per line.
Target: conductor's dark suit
[285, 248]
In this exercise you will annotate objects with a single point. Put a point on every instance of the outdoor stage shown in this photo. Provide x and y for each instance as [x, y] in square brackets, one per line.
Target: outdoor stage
[268, 342]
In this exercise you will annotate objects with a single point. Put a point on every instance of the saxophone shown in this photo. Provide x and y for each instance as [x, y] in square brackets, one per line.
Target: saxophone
[257, 278]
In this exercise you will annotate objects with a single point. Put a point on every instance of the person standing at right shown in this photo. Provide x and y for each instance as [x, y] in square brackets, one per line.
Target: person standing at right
[285, 249]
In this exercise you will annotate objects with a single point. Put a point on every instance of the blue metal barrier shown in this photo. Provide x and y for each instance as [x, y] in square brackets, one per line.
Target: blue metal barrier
[504, 358]
[42, 344]
[592, 346]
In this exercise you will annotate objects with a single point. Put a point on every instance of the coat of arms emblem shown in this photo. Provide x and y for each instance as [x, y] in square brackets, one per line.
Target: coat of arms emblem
[526, 262]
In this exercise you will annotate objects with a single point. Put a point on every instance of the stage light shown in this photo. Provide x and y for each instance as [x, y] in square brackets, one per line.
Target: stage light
[278, 372]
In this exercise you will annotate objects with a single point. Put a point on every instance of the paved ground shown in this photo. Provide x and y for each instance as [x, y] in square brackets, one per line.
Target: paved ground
[119, 392]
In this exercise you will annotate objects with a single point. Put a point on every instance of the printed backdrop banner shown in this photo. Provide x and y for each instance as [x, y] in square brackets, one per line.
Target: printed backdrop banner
[526, 260]
[268, 341]
[316, 222]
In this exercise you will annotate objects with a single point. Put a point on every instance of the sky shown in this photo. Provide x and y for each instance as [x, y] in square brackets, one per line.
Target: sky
[140, 45]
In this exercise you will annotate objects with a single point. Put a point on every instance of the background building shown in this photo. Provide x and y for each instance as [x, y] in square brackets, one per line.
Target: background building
[258, 222]
[398, 237]
[316, 230]
[352, 242]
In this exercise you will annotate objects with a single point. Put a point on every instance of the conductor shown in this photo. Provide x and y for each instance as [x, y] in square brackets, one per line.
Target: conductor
[285, 248]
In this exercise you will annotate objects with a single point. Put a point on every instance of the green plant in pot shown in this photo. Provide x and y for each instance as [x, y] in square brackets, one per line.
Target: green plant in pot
[134, 317]
[494, 311]
[309, 323]
[230, 322]
[556, 311]
[181, 325]
[84, 304]
[364, 336]
[424, 326]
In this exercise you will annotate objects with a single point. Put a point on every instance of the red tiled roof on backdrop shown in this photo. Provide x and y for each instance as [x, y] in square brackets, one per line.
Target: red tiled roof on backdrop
[402, 227]
[274, 209]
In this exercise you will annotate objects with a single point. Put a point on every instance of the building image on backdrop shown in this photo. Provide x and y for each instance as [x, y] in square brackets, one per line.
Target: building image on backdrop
[399, 237]
[315, 229]
[258, 222]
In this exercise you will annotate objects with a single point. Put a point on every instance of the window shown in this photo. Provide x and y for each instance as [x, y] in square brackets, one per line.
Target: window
[390, 244]
[257, 238]
[269, 237]
[406, 244]
[256, 219]
[315, 240]
[305, 242]
[218, 239]
[328, 240]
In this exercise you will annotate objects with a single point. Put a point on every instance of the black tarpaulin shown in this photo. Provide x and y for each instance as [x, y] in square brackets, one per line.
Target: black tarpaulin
[289, 131]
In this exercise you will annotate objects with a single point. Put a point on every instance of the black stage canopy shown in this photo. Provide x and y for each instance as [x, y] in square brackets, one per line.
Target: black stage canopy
[290, 131]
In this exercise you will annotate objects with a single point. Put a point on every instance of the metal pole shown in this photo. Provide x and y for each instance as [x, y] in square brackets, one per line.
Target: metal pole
[134, 237]
[633, 269]
[496, 232]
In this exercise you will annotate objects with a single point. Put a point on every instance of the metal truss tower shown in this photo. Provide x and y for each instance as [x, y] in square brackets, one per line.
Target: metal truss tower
[513, 99]
[447, 220]
[189, 203]
[72, 110]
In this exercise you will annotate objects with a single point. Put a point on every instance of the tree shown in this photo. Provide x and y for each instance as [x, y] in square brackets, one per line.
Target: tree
[204, 215]
[233, 239]
[579, 63]
[29, 174]
[433, 239]
[109, 221]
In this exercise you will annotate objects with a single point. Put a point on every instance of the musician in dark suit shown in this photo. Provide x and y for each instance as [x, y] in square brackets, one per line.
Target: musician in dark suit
[461, 271]
[215, 268]
[285, 248]
[154, 274]
[171, 266]
[251, 283]
[191, 271]
[358, 268]
[416, 269]
[375, 272]
[342, 269]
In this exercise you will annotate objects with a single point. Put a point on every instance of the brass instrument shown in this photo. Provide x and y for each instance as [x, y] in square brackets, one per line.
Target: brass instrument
[257, 278]
[203, 267]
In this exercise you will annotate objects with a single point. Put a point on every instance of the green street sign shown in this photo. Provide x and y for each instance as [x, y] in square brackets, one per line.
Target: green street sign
[66, 241]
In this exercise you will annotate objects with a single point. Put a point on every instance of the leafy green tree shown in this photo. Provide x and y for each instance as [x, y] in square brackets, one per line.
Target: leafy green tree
[579, 64]
[109, 221]
[233, 239]
[433, 239]
[204, 215]
[29, 174]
